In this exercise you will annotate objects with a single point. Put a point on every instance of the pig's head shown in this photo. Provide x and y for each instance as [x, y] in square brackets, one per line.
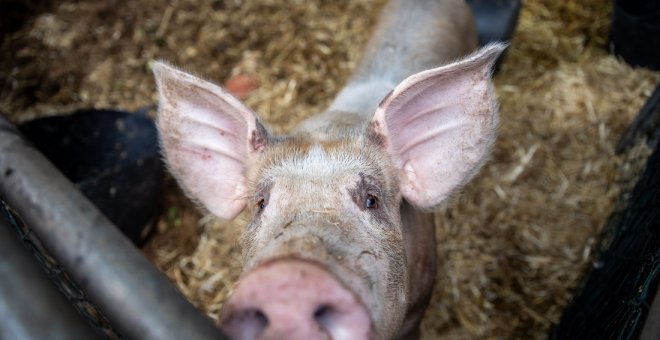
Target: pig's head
[324, 253]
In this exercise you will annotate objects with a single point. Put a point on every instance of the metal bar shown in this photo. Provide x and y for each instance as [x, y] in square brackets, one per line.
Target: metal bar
[643, 122]
[31, 307]
[651, 329]
[138, 299]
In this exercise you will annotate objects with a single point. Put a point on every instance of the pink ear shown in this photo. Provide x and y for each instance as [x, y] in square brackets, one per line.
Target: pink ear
[208, 138]
[439, 126]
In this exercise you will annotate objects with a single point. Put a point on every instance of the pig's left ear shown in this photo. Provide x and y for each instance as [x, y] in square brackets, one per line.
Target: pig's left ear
[439, 126]
[208, 139]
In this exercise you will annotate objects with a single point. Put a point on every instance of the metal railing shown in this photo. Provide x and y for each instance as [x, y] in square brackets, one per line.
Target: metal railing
[136, 298]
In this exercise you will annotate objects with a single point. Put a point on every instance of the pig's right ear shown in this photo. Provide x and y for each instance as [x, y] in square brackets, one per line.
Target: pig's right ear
[439, 126]
[208, 138]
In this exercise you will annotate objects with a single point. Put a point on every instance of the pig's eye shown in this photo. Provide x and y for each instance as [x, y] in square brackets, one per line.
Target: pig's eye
[261, 197]
[261, 204]
[371, 202]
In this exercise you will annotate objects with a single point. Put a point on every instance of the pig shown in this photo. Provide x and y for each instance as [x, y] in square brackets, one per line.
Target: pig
[341, 240]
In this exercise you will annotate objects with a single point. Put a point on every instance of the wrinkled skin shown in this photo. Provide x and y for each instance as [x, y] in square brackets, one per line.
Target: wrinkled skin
[338, 246]
[314, 208]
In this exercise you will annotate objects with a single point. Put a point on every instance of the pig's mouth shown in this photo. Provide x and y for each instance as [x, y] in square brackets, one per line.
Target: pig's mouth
[294, 299]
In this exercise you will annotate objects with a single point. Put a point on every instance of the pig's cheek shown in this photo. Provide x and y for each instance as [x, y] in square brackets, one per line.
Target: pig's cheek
[257, 231]
[266, 224]
[367, 262]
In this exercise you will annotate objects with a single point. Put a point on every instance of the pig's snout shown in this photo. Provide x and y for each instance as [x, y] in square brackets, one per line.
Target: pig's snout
[290, 299]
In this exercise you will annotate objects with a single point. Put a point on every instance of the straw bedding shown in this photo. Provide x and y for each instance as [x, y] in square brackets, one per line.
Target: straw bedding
[511, 246]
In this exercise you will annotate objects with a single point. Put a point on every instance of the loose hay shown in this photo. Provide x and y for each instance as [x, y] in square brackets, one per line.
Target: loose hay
[511, 247]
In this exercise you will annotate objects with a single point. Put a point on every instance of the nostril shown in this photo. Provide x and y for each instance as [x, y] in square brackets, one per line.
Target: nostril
[323, 316]
[288, 299]
[258, 317]
[246, 324]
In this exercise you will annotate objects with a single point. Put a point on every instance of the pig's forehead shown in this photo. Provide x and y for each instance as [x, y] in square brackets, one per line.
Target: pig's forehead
[320, 163]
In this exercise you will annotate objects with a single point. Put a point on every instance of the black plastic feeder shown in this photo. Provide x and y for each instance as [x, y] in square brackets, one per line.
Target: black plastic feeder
[635, 32]
[496, 20]
[112, 157]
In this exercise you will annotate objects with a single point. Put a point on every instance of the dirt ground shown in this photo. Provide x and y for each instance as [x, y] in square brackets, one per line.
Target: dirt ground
[511, 247]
